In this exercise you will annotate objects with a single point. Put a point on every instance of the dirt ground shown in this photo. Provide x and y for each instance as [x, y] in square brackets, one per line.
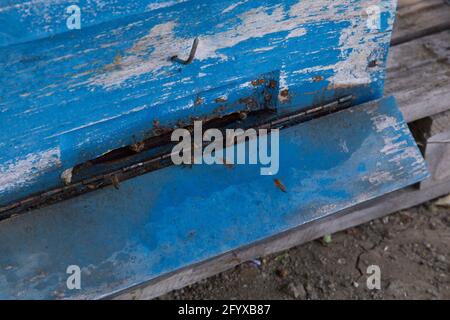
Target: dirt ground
[412, 249]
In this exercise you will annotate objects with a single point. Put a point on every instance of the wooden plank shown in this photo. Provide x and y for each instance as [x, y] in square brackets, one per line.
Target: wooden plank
[418, 75]
[433, 135]
[418, 71]
[103, 88]
[438, 158]
[441, 123]
[417, 18]
[168, 219]
[386, 205]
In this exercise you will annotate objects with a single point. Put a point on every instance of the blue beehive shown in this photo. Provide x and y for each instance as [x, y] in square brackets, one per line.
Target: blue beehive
[72, 102]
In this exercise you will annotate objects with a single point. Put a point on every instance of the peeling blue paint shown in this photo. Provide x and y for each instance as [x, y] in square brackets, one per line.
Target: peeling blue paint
[67, 97]
[174, 217]
[59, 87]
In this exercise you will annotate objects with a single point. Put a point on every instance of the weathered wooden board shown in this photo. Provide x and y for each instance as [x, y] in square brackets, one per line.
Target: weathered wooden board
[357, 215]
[73, 96]
[438, 157]
[433, 135]
[419, 18]
[418, 71]
[173, 217]
[189, 275]
[418, 75]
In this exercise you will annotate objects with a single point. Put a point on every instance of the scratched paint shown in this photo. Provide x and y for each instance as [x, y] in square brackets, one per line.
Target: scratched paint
[90, 91]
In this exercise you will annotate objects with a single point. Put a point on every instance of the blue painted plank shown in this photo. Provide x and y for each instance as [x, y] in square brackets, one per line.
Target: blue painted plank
[174, 217]
[105, 85]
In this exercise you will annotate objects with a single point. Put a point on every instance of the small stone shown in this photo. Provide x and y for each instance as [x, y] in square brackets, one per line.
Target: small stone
[327, 239]
[433, 225]
[297, 291]
[396, 288]
[443, 202]
[433, 292]
[332, 287]
[356, 284]
[256, 263]
[385, 220]
[312, 293]
[341, 261]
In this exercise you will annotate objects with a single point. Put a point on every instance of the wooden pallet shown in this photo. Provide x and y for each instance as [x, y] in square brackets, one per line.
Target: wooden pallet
[419, 77]
[433, 137]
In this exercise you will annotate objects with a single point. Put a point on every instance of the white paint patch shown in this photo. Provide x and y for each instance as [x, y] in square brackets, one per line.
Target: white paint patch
[393, 145]
[379, 178]
[283, 85]
[163, 43]
[359, 46]
[234, 6]
[265, 49]
[383, 122]
[18, 173]
[160, 5]
[356, 43]
[296, 33]
[66, 176]
[343, 145]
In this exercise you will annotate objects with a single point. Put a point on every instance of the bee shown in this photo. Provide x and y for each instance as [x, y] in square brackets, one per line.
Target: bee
[138, 147]
[115, 182]
[280, 185]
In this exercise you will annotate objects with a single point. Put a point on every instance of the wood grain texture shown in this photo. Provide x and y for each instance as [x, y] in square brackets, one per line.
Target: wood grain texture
[418, 75]
[420, 18]
[418, 71]
[434, 135]
[438, 158]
